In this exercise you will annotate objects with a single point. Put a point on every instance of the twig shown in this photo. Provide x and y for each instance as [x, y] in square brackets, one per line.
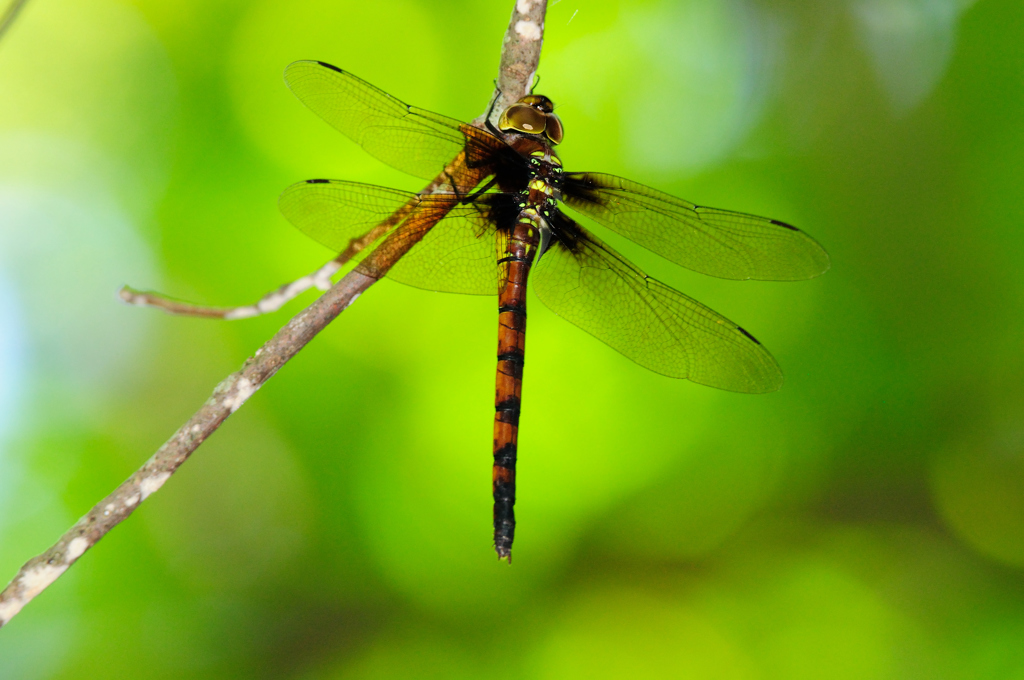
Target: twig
[519, 58]
[10, 14]
[520, 55]
[271, 302]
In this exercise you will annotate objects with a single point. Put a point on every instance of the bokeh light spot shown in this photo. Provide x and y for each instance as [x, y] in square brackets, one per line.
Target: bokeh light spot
[978, 486]
[623, 634]
[910, 43]
[348, 34]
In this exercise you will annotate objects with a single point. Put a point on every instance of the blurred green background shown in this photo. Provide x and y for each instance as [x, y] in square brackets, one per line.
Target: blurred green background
[867, 521]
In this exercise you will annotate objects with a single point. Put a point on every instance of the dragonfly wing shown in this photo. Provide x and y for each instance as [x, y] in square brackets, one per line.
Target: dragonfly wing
[456, 241]
[721, 243]
[456, 256]
[333, 212]
[415, 141]
[586, 282]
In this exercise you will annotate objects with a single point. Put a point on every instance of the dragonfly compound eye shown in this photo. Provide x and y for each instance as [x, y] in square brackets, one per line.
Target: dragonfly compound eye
[523, 118]
[553, 131]
[539, 102]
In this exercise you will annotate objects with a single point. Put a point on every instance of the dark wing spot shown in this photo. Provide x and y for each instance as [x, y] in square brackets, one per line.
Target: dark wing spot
[783, 224]
[564, 231]
[333, 68]
[581, 187]
[742, 330]
[318, 181]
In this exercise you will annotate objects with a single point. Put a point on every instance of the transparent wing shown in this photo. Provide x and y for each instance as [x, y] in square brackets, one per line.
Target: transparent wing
[415, 141]
[456, 247]
[455, 256]
[586, 282]
[721, 243]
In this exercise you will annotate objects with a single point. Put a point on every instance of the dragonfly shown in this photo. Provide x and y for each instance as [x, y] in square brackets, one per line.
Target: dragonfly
[493, 223]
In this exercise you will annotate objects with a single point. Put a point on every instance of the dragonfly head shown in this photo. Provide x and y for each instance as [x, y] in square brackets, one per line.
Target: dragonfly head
[533, 115]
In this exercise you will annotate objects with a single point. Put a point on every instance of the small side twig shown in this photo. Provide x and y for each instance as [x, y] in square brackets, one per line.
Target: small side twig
[271, 302]
[10, 14]
[519, 58]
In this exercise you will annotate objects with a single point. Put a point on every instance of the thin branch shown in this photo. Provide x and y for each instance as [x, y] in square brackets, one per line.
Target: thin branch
[520, 55]
[10, 14]
[271, 302]
[519, 58]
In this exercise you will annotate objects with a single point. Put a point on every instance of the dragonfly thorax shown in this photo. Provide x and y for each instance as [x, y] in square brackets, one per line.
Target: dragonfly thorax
[546, 167]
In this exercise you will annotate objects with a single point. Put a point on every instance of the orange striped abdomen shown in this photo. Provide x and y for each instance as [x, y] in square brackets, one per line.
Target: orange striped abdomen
[514, 268]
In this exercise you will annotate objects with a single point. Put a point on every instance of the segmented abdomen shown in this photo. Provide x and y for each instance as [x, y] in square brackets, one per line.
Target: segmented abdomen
[514, 268]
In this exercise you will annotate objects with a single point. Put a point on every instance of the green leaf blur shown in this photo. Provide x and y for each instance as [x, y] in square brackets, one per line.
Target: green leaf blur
[864, 522]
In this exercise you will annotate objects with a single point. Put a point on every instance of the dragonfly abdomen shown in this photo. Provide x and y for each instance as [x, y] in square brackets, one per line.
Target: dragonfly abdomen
[521, 249]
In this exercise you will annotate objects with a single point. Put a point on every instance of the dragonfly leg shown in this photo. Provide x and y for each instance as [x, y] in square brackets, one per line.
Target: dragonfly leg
[493, 130]
[482, 190]
[452, 184]
[271, 302]
[487, 119]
